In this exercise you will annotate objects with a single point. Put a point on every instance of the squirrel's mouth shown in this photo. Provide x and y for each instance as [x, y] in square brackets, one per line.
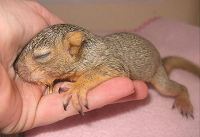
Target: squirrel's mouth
[24, 75]
[24, 72]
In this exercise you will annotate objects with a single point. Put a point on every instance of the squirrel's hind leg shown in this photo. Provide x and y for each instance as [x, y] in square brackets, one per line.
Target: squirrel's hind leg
[170, 88]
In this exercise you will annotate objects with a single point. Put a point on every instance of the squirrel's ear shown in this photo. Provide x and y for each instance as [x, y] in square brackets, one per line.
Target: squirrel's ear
[74, 40]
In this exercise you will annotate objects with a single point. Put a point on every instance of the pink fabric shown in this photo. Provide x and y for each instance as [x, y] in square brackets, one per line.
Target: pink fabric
[152, 117]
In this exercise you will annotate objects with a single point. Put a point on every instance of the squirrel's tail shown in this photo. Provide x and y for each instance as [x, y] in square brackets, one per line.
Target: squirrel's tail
[173, 62]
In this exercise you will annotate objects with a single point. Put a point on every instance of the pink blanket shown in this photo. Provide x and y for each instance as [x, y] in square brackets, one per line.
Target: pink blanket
[152, 117]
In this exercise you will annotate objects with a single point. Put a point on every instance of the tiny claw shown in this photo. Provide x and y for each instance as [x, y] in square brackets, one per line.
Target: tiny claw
[186, 115]
[62, 89]
[182, 113]
[65, 106]
[173, 106]
[86, 106]
[67, 103]
[192, 116]
[59, 90]
[81, 112]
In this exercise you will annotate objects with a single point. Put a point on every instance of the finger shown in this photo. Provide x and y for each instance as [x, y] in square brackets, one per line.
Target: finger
[45, 13]
[9, 100]
[50, 108]
[49, 17]
[5, 92]
[140, 92]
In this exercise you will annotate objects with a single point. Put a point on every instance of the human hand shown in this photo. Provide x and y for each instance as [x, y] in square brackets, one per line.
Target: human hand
[22, 105]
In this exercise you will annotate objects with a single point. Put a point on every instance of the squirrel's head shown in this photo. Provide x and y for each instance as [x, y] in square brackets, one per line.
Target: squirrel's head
[48, 55]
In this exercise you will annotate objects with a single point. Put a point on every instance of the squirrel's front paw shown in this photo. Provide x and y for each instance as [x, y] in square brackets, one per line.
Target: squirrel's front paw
[78, 99]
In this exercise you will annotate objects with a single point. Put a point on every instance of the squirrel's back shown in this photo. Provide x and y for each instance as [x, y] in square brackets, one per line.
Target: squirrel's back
[139, 55]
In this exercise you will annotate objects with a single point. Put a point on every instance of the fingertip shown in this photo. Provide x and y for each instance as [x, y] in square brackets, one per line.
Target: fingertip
[141, 89]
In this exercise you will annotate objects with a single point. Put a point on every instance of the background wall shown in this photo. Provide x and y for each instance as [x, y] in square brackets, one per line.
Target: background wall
[110, 15]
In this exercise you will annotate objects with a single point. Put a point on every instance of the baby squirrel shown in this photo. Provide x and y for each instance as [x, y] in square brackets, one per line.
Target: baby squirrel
[66, 52]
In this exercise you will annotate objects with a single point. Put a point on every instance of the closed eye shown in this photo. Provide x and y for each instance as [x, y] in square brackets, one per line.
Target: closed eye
[40, 56]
